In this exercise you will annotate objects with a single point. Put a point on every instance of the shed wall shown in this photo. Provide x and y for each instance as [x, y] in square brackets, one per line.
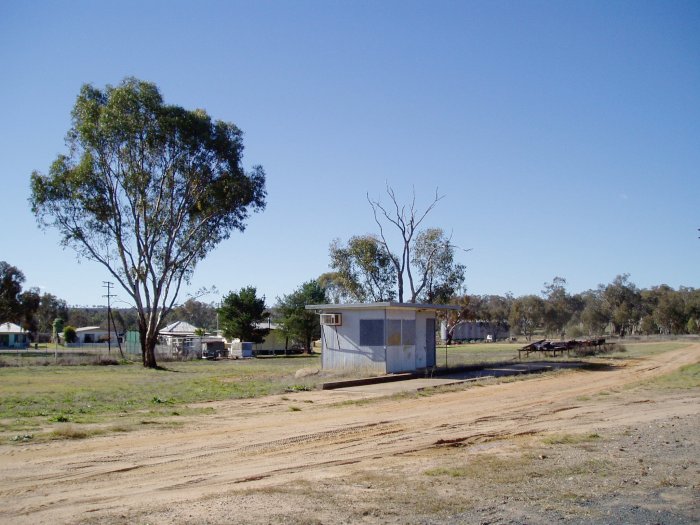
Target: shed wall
[341, 348]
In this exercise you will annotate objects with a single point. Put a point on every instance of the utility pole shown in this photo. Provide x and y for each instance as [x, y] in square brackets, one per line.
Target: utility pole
[109, 295]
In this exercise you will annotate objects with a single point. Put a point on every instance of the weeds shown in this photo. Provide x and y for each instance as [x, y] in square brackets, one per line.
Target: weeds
[569, 439]
[685, 378]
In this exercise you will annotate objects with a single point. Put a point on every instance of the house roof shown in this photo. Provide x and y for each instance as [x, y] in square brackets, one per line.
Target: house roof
[11, 328]
[179, 328]
[90, 329]
[388, 305]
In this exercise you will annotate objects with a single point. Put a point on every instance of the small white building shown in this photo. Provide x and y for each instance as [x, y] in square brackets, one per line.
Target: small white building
[385, 337]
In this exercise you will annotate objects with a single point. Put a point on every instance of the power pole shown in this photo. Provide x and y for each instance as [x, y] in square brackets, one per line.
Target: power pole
[109, 295]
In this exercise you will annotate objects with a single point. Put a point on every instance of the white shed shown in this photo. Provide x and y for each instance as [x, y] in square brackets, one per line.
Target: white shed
[385, 337]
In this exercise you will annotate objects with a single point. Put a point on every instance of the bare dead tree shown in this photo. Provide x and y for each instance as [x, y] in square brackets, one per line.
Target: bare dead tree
[406, 219]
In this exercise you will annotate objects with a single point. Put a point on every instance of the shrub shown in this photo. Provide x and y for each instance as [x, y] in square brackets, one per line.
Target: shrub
[69, 334]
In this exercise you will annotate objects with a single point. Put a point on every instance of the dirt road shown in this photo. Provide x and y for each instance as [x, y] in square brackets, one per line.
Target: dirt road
[256, 461]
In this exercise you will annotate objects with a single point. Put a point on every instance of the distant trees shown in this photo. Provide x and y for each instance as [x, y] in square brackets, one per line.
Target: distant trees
[32, 310]
[296, 322]
[622, 304]
[527, 315]
[50, 307]
[195, 312]
[146, 189]
[11, 280]
[241, 312]
[618, 308]
[593, 317]
[557, 307]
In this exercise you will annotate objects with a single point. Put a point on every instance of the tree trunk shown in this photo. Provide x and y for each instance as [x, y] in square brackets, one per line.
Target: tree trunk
[148, 348]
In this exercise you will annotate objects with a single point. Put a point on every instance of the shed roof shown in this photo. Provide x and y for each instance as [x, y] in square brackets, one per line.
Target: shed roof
[90, 329]
[387, 305]
[11, 328]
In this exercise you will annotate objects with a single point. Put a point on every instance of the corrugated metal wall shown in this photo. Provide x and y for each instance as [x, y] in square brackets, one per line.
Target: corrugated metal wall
[341, 349]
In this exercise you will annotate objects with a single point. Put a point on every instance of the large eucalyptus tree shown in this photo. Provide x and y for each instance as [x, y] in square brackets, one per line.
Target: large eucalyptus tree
[147, 189]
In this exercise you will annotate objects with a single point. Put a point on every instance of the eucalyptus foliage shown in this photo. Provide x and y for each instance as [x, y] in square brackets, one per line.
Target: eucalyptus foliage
[362, 270]
[147, 189]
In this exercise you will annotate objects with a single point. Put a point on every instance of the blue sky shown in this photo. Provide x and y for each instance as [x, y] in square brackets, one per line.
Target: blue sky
[565, 136]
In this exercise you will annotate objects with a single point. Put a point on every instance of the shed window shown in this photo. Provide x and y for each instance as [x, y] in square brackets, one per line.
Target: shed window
[393, 336]
[371, 332]
[401, 332]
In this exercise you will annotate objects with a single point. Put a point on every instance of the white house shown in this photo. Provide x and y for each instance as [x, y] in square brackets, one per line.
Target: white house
[93, 335]
[385, 337]
[178, 336]
[177, 332]
[13, 336]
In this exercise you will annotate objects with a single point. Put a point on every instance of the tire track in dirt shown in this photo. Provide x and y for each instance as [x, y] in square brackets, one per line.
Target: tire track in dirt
[104, 476]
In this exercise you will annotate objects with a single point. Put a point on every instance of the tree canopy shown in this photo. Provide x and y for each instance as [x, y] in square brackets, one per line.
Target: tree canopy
[240, 313]
[362, 270]
[418, 265]
[11, 280]
[298, 323]
[147, 189]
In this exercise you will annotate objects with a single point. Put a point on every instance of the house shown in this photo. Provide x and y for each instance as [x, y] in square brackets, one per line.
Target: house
[178, 337]
[181, 338]
[385, 337]
[177, 332]
[90, 335]
[13, 336]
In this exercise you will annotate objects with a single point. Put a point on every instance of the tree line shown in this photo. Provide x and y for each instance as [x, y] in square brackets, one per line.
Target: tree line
[618, 308]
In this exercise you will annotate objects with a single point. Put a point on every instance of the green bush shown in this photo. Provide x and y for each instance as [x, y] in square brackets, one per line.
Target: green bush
[69, 334]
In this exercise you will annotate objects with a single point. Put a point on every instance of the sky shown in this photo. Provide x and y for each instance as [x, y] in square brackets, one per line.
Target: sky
[564, 136]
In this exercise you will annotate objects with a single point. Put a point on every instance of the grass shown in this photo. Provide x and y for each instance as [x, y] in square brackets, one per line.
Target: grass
[34, 398]
[635, 350]
[685, 378]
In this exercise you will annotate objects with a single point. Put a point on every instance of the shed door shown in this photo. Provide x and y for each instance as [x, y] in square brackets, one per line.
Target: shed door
[430, 342]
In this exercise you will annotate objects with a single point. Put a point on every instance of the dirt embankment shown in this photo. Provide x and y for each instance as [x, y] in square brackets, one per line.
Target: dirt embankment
[576, 445]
